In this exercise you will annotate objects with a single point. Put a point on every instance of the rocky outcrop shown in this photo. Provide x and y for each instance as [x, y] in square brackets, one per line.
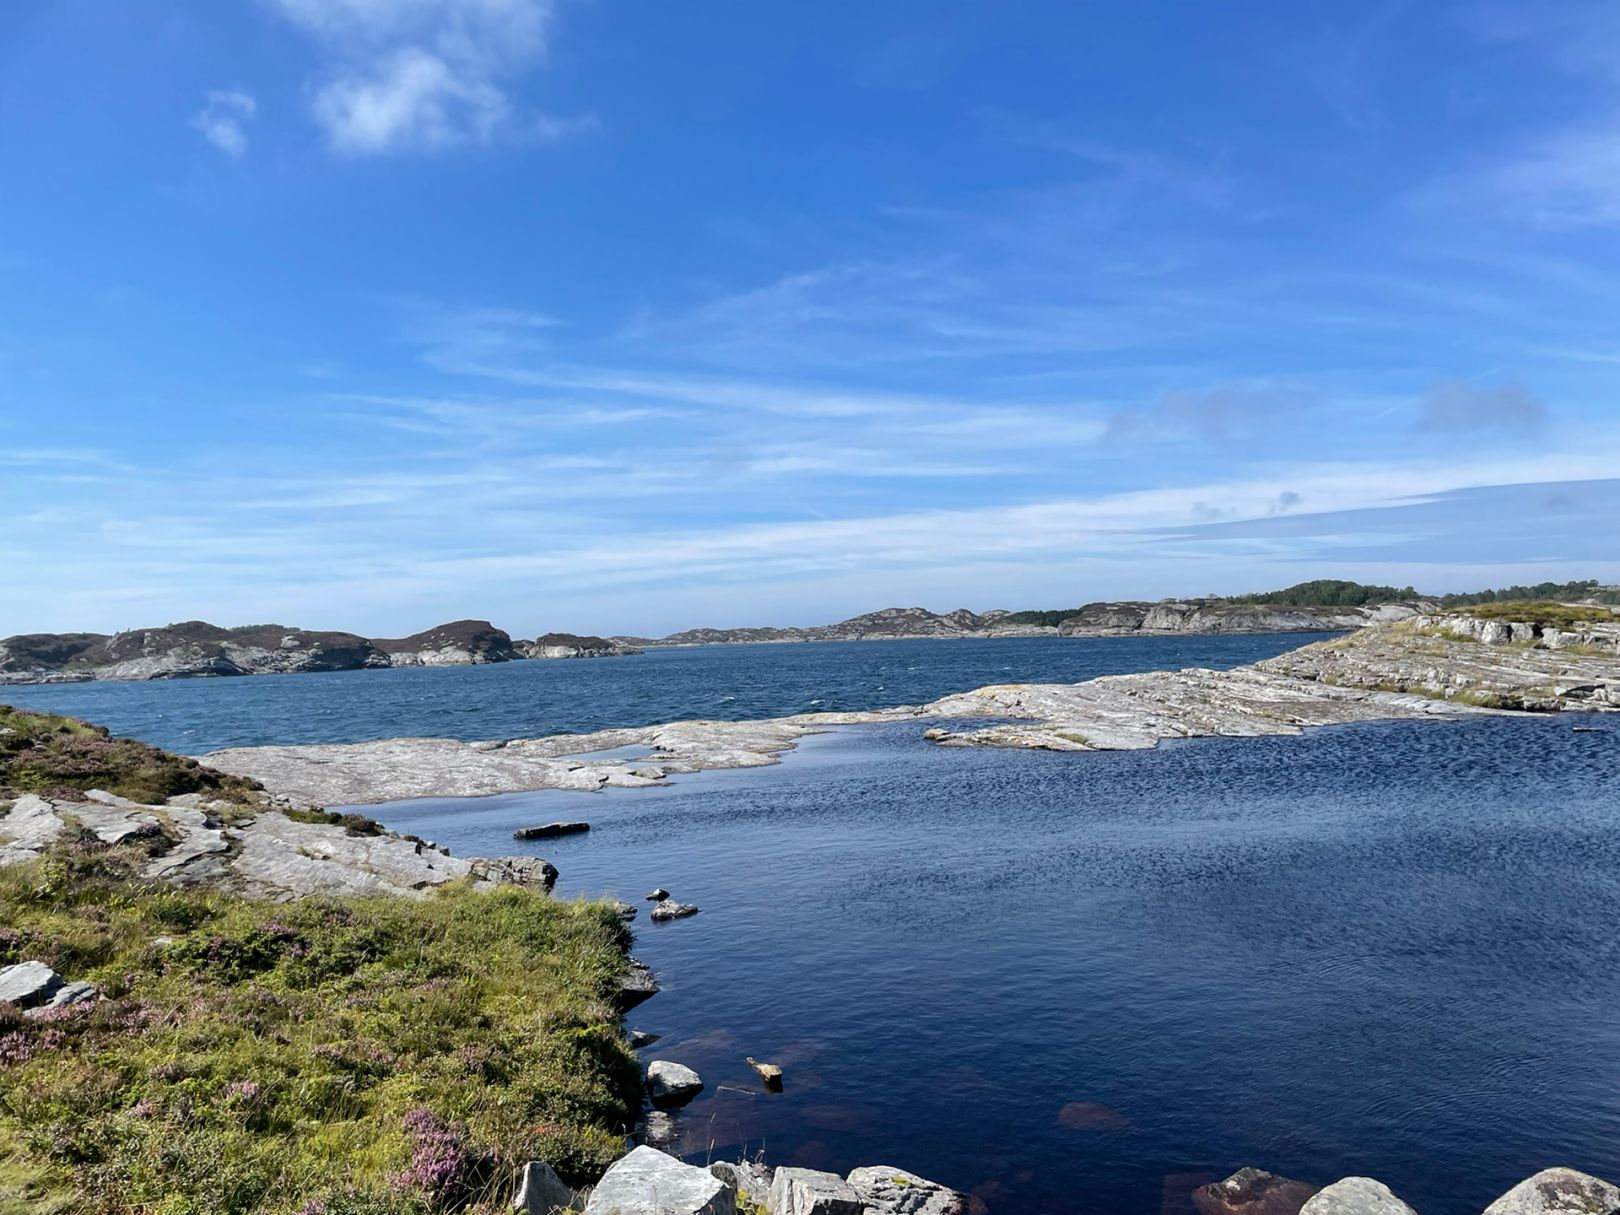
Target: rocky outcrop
[1405, 670]
[1559, 1192]
[574, 645]
[269, 853]
[885, 1190]
[459, 643]
[812, 1192]
[1356, 1196]
[649, 1182]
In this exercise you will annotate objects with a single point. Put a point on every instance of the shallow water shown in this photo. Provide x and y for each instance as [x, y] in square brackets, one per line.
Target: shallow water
[1085, 983]
[531, 699]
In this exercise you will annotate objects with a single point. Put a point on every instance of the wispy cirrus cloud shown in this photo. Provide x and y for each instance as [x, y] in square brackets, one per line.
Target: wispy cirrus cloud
[427, 75]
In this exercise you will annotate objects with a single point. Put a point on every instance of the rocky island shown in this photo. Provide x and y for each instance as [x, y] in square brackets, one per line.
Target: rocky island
[195, 649]
[1489, 659]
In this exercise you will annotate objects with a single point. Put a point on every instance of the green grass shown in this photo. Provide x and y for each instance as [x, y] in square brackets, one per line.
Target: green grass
[322, 1057]
[61, 756]
[1543, 612]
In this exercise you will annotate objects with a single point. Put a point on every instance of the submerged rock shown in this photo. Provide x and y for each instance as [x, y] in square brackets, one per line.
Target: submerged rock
[660, 1130]
[550, 831]
[812, 1192]
[650, 1182]
[1558, 1192]
[890, 1191]
[672, 1083]
[640, 1038]
[1252, 1192]
[1355, 1196]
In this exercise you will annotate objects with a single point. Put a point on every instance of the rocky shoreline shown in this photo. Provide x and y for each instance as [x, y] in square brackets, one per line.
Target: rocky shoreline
[1427, 666]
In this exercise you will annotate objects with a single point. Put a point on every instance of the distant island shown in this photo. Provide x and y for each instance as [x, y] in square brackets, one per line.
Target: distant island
[195, 649]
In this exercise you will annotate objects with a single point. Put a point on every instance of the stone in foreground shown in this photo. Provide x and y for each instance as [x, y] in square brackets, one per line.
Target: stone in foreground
[890, 1191]
[1356, 1196]
[667, 909]
[1252, 1192]
[541, 1191]
[812, 1192]
[1558, 1192]
[750, 1182]
[672, 1083]
[549, 831]
[649, 1182]
[28, 983]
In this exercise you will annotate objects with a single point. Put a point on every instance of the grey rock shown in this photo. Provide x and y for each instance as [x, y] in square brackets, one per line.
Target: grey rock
[550, 831]
[639, 984]
[657, 896]
[69, 993]
[1252, 1192]
[639, 1038]
[28, 984]
[1558, 1192]
[890, 1191]
[750, 1182]
[531, 871]
[667, 909]
[650, 1182]
[1355, 1196]
[541, 1191]
[672, 1083]
[812, 1192]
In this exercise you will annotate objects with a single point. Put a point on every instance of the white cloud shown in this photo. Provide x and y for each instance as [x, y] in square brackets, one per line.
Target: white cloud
[424, 75]
[220, 121]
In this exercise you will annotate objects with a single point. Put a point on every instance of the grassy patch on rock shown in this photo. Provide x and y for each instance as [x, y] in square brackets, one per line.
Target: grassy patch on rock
[63, 757]
[322, 1057]
[1542, 612]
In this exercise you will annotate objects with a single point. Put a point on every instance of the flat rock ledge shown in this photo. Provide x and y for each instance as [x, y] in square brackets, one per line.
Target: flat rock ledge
[266, 855]
[1424, 667]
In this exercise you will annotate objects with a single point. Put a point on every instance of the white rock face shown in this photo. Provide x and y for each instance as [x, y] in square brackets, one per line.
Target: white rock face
[812, 1192]
[672, 1082]
[1558, 1192]
[1356, 1196]
[649, 1182]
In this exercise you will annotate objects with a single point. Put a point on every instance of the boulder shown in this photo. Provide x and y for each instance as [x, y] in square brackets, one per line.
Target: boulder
[637, 985]
[891, 1191]
[749, 1182]
[1252, 1192]
[657, 896]
[1355, 1196]
[770, 1073]
[672, 1083]
[640, 1038]
[650, 1182]
[549, 831]
[667, 909]
[812, 1192]
[28, 983]
[541, 1191]
[1558, 1192]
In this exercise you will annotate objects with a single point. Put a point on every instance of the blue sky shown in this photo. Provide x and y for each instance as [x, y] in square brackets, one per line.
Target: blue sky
[625, 317]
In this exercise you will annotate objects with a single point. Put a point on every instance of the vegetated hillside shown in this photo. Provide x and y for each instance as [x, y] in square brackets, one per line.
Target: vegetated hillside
[355, 1056]
[476, 637]
[61, 756]
[1588, 590]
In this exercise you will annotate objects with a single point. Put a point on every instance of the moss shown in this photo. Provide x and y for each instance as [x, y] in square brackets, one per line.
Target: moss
[352, 823]
[1073, 736]
[372, 1055]
[62, 756]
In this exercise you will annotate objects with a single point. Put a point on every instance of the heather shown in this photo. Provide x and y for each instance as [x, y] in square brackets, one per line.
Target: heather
[320, 1057]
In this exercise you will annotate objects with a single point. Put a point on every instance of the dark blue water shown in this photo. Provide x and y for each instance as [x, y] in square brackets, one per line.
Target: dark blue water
[1086, 983]
[530, 699]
